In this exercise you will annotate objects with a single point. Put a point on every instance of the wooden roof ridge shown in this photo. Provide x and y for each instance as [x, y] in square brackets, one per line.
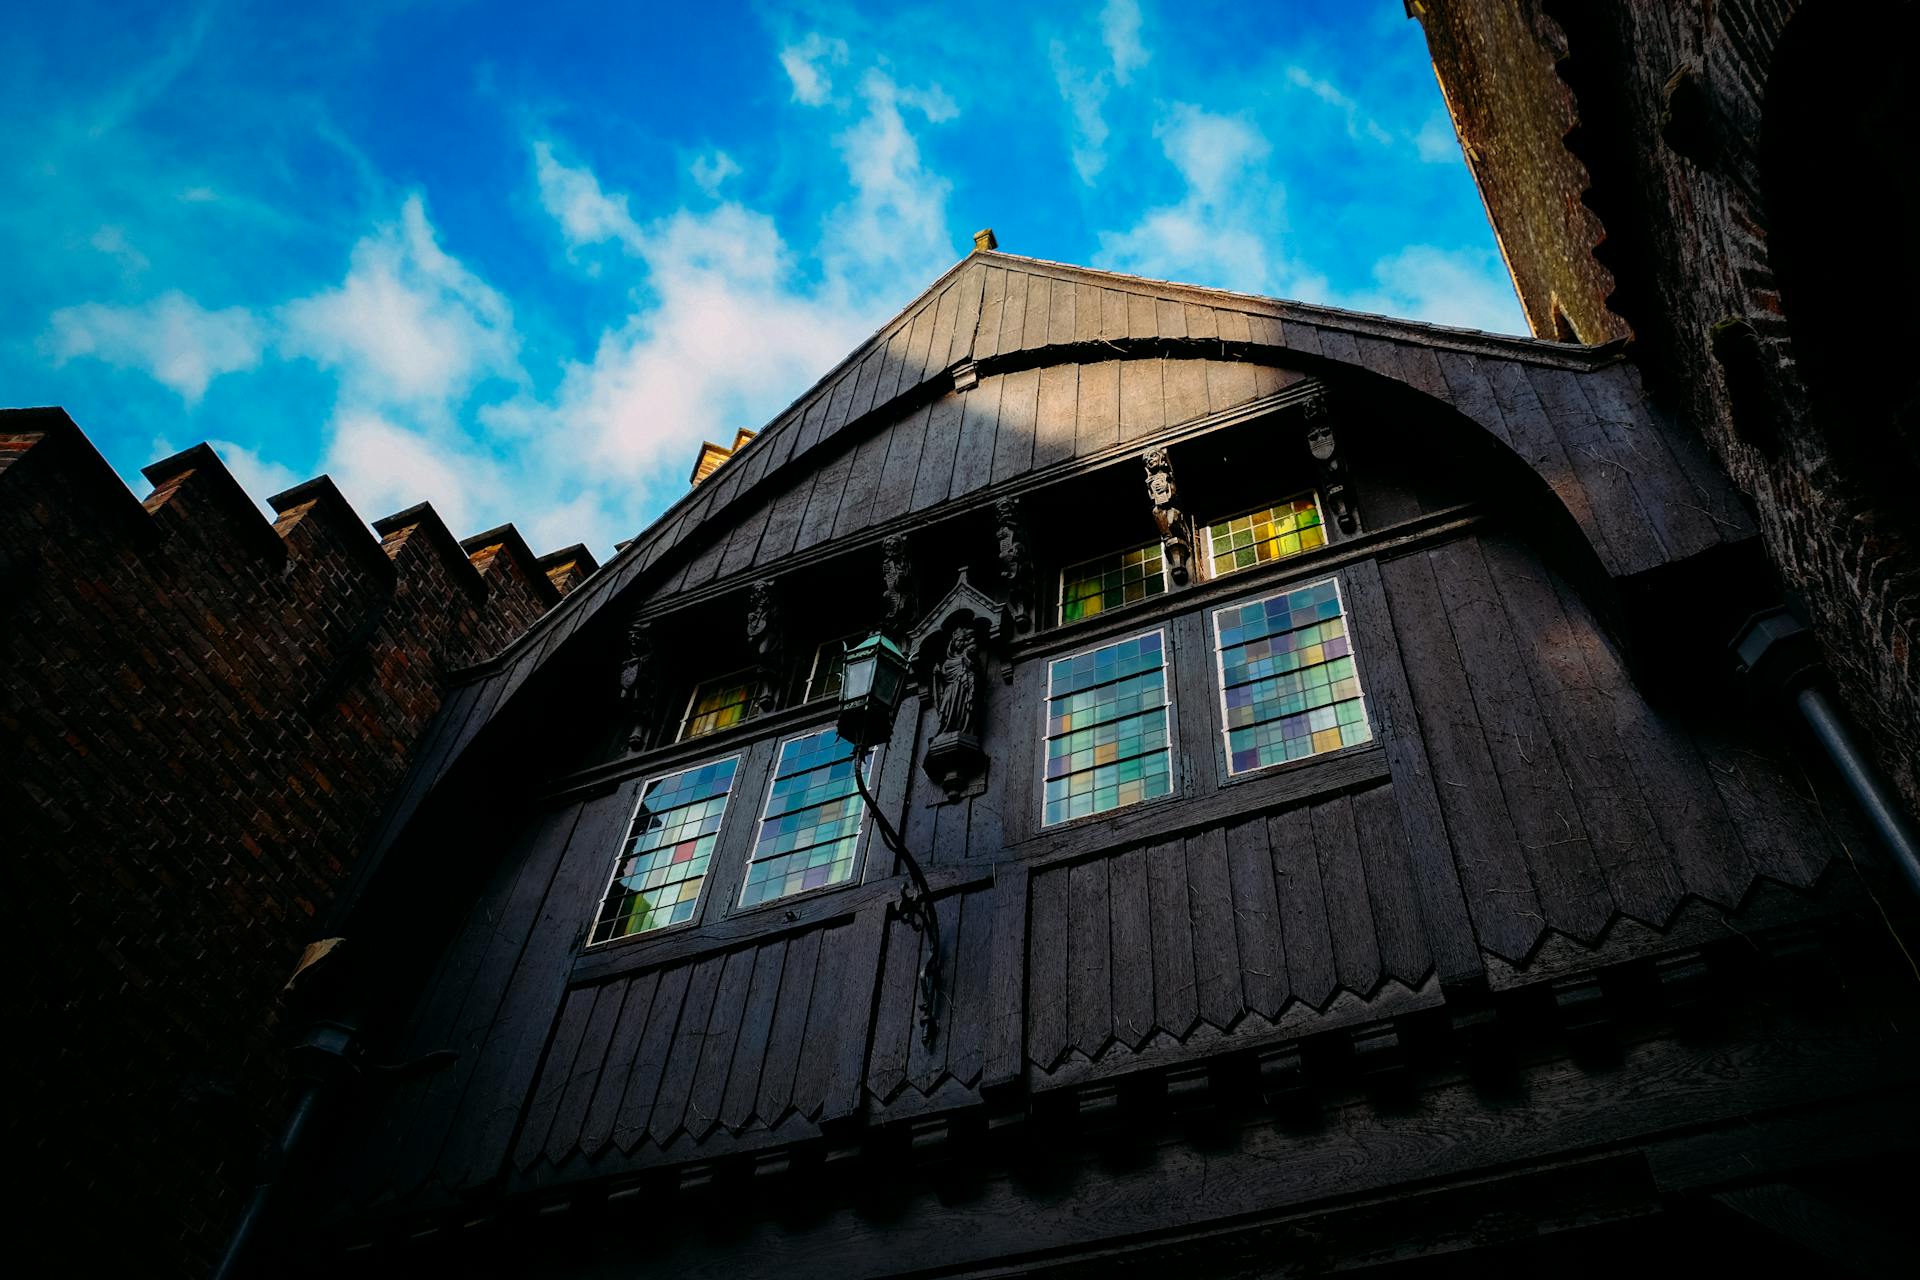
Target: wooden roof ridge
[1324, 315]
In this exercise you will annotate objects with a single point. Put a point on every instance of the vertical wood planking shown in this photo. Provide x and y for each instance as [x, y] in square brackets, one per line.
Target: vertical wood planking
[993, 292]
[1098, 407]
[1493, 869]
[1311, 968]
[1216, 957]
[934, 475]
[1631, 530]
[979, 423]
[744, 541]
[892, 367]
[706, 1098]
[927, 1060]
[683, 1053]
[941, 341]
[1004, 1054]
[1086, 312]
[1769, 803]
[1113, 315]
[1185, 387]
[858, 975]
[1229, 383]
[1143, 408]
[1201, 322]
[1443, 908]
[623, 1045]
[1033, 334]
[543, 1103]
[966, 321]
[631, 1123]
[1058, 414]
[1048, 998]
[1576, 693]
[863, 482]
[790, 1016]
[1256, 919]
[1176, 1002]
[1170, 318]
[1391, 894]
[905, 444]
[1131, 946]
[1141, 322]
[1553, 838]
[1343, 878]
[590, 1066]
[1089, 963]
[1470, 393]
[1535, 440]
[1337, 345]
[756, 1025]
[783, 524]
[1014, 439]
[966, 1018]
[1013, 312]
[894, 1015]
[816, 526]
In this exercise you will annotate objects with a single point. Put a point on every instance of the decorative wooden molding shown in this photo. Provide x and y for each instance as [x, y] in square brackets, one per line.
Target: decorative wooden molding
[639, 680]
[1016, 562]
[948, 652]
[1175, 525]
[900, 589]
[1325, 448]
[766, 637]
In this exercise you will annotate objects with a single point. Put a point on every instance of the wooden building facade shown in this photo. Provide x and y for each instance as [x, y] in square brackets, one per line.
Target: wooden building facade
[1345, 841]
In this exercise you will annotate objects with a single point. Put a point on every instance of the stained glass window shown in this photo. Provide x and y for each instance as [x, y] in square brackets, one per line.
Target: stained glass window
[1282, 530]
[1107, 728]
[829, 664]
[656, 881]
[1107, 582]
[719, 704]
[1287, 678]
[811, 830]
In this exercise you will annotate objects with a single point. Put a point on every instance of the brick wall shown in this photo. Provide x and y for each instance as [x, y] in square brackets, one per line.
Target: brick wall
[1655, 137]
[200, 714]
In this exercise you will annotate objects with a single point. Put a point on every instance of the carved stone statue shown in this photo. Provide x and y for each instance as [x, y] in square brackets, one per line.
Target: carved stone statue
[898, 603]
[1325, 449]
[1175, 525]
[765, 638]
[638, 679]
[1016, 562]
[956, 682]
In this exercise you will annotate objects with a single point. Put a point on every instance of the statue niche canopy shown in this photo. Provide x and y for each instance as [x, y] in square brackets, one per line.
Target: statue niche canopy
[949, 652]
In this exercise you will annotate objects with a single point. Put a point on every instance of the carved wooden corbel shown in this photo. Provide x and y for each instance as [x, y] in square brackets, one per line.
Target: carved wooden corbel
[900, 589]
[1016, 562]
[766, 638]
[1175, 525]
[639, 679]
[1325, 448]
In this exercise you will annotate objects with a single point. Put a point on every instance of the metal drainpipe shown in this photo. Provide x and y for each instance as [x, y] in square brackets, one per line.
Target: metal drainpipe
[322, 1058]
[1776, 651]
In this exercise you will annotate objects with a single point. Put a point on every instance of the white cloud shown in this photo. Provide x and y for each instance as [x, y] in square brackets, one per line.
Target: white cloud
[172, 338]
[894, 228]
[260, 477]
[409, 324]
[1085, 95]
[712, 169]
[383, 466]
[586, 214]
[1120, 31]
[806, 64]
[1464, 287]
[1220, 231]
[1359, 123]
[112, 241]
[1436, 143]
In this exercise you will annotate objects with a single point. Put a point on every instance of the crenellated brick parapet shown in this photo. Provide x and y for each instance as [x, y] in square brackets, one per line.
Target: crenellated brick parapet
[200, 714]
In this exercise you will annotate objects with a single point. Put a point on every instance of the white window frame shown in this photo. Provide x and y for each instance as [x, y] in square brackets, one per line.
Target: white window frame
[813, 672]
[1220, 677]
[860, 838]
[1046, 715]
[626, 834]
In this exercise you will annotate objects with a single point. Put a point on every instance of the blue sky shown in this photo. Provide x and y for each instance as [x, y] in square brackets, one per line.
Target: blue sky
[521, 260]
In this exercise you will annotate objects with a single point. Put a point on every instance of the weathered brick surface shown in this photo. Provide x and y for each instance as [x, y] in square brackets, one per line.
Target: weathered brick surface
[1654, 137]
[199, 716]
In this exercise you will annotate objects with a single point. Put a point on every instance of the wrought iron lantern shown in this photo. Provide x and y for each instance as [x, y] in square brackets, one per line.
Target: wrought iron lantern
[872, 681]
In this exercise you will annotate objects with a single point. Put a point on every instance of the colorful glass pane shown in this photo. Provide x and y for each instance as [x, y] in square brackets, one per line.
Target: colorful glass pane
[1283, 530]
[1108, 582]
[669, 845]
[718, 704]
[1288, 685]
[1106, 740]
[811, 829]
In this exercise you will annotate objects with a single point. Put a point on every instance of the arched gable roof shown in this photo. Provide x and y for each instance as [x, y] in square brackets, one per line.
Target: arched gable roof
[1642, 492]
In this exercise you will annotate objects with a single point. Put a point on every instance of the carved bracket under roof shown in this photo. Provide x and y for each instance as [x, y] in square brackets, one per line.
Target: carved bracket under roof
[1016, 562]
[766, 638]
[1175, 525]
[948, 651]
[900, 589]
[639, 679]
[1332, 467]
